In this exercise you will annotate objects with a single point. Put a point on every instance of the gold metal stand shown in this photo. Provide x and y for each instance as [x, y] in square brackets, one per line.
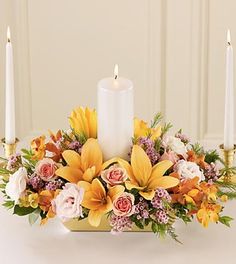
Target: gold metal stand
[9, 149]
[229, 162]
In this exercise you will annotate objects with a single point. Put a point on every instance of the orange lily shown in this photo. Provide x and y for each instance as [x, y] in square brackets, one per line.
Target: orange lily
[97, 200]
[144, 177]
[82, 167]
[44, 201]
[208, 213]
[141, 129]
[38, 148]
[84, 121]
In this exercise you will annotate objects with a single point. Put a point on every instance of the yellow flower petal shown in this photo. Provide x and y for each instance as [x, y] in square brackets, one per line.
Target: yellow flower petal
[83, 120]
[98, 189]
[156, 133]
[72, 158]
[85, 185]
[160, 168]
[116, 191]
[92, 122]
[91, 155]
[95, 217]
[140, 128]
[141, 165]
[70, 174]
[164, 182]
[147, 195]
[129, 185]
[90, 202]
[157, 172]
[89, 174]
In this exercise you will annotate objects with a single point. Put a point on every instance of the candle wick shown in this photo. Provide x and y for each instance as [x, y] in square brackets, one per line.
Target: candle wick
[229, 43]
[8, 40]
[116, 77]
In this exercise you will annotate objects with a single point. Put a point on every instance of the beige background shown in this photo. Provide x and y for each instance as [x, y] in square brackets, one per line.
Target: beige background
[174, 51]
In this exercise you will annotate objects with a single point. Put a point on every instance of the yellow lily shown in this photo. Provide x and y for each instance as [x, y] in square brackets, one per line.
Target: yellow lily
[97, 200]
[144, 177]
[84, 121]
[141, 129]
[82, 167]
[208, 213]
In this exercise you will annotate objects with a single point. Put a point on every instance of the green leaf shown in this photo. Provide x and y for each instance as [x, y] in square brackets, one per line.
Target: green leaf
[34, 216]
[211, 156]
[8, 204]
[21, 211]
[154, 227]
[225, 220]
[157, 119]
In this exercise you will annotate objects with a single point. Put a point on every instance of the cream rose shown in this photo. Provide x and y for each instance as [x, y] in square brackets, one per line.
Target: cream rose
[114, 175]
[17, 184]
[45, 169]
[124, 205]
[175, 144]
[67, 204]
[189, 170]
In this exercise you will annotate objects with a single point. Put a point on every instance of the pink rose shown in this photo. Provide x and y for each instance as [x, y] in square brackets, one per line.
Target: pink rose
[169, 155]
[67, 204]
[45, 169]
[124, 205]
[114, 175]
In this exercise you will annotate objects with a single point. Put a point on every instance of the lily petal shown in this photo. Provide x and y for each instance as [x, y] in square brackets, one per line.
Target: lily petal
[85, 185]
[72, 158]
[91, 155]
[89, 174]
[164, 182]
[116, 191]
[129, 185]
[70, 174]
[147, 195]
[141, 165]
[98, 189]
[94, 217]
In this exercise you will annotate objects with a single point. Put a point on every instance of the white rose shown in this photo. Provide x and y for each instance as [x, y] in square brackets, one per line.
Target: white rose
[17, 184]
[175, 144]
[189, 170]
[67, 204]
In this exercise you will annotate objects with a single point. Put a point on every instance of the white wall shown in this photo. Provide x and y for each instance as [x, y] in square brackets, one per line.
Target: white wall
[174, 51]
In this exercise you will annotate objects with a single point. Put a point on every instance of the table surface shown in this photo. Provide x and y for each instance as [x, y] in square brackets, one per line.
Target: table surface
[53, 243]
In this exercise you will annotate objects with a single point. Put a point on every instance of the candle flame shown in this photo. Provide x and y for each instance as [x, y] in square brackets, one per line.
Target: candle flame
[228, 37]
[8, 34]
[116, 70]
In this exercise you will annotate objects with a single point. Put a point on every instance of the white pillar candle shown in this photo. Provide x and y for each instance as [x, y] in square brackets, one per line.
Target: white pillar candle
[10, 97]
[229, 98]
[115, 116]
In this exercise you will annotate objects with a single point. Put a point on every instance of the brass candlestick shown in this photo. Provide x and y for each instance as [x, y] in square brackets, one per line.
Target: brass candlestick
[9, 149]
[229, 162]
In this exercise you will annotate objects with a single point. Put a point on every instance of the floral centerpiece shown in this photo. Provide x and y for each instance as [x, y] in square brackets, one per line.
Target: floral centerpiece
[165, 178]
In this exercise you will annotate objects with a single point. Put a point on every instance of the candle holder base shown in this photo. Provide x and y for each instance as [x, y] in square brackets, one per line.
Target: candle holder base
[9, 149]
[229, 162]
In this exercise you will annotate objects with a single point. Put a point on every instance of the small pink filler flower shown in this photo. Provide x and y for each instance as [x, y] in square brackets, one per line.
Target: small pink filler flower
[114, 175]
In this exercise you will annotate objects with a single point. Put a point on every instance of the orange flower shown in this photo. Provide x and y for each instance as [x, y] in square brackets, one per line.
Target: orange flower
[45, 198]
[97, 200]
[208, 213]
[141, 129]
[38, 148]
[199, 159]
[142, 176]
[210, 190]
[86, 166]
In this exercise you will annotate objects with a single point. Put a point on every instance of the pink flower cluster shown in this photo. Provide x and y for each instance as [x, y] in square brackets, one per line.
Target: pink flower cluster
[120, 224]
[161, 195]
[141, 209]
